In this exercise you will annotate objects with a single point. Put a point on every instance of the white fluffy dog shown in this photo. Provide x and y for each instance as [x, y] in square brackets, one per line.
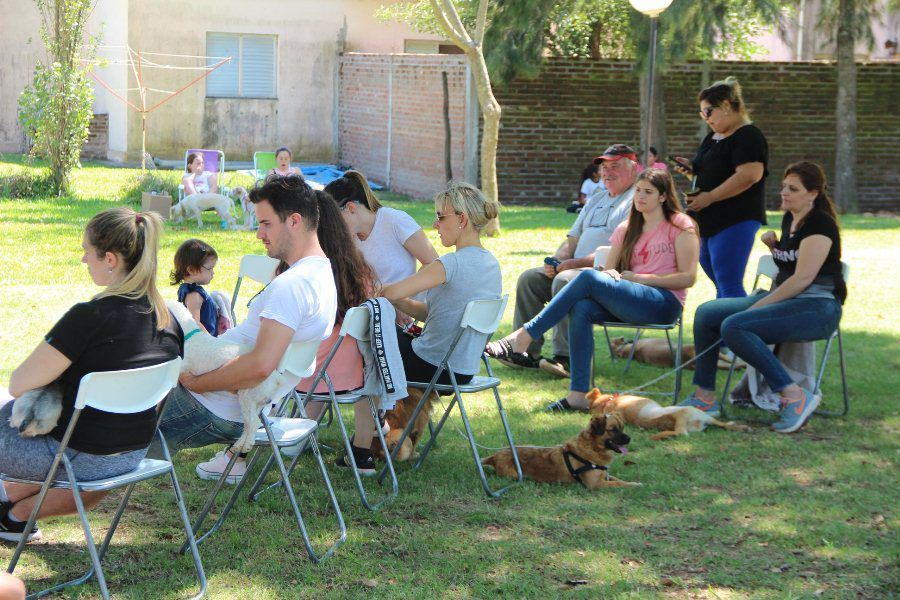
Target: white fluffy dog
[204, 353]
[36, 411]
[248, 208]
[193, 206]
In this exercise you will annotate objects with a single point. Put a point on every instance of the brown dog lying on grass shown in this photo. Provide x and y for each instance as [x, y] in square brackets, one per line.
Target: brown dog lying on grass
[656, 352]
[584, 458]
[397, 418]
[647, 414]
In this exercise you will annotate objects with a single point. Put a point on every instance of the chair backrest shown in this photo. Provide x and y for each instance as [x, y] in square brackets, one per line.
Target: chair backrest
[767, 267]
[484, 315]
[128, 391]
[299, 359]
[356, 323]
[600, 255]
[263, 162]
[213, 161]
[258, 267]
[845, 271]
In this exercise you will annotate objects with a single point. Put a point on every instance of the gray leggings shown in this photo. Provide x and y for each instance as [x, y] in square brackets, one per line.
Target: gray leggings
[31, 457]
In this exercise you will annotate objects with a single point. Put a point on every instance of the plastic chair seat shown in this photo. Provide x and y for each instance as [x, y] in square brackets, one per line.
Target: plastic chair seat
[479, 383]
[147, 469]
[287, 431]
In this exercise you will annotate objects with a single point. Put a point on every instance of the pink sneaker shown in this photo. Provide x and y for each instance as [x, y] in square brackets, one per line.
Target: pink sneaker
[212, 469]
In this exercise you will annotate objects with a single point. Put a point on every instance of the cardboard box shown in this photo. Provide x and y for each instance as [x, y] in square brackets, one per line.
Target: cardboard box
[158, 203]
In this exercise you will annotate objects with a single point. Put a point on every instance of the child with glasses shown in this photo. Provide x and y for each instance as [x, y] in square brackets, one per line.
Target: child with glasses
[195, 263]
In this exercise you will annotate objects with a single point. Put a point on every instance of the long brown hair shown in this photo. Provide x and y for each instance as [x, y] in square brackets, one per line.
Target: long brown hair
[663, 183]
[135, 237]
[354, 278]
[353, 187]
[812, 176]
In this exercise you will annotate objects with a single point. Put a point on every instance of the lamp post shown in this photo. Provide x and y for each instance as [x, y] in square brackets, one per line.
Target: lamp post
[651, 8]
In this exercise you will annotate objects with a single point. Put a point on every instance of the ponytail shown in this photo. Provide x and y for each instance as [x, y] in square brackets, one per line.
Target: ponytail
[135, 238]
[354, 278]
[353, 187]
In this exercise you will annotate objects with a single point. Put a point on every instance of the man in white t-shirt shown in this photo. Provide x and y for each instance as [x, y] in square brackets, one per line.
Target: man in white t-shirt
[595, 223]
[300, 304]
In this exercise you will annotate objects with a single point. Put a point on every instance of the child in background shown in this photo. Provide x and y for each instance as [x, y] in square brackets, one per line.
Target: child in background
[283, 157]
[590, 181]
[195, 262]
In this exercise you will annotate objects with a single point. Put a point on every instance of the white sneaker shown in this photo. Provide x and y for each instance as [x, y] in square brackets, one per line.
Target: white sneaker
[212, 469]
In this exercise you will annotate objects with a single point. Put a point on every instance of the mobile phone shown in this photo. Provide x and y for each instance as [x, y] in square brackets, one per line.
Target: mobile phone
[553, 262]
[691, 193]
[684, 165]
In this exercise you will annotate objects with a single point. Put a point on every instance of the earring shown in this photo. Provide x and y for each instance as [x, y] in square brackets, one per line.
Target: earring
[110, 270]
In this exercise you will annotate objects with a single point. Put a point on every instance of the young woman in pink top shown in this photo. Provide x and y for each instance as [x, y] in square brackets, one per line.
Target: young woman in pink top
[654, 254]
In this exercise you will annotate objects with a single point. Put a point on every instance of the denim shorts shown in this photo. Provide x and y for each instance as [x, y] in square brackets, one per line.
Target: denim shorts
[31, 457]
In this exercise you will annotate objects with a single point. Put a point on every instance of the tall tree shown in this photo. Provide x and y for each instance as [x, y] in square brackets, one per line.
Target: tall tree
[56, 108]
[845, 110]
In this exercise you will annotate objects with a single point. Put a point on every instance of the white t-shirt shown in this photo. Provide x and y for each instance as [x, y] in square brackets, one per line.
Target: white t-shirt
[384, 250]
[303, 298]
[589, 186]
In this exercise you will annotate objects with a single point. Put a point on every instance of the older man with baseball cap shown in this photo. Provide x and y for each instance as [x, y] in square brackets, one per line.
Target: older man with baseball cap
[603, 211]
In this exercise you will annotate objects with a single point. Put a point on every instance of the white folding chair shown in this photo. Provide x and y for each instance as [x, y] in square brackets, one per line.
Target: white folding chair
[766, 267]
[299, 361]
[599, 260]
[355, 325]
[259, 268]
[482, 316]
[121, 392]
[214, 162]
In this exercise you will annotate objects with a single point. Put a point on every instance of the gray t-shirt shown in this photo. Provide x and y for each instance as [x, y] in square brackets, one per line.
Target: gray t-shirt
[472, 274]
[598, 219]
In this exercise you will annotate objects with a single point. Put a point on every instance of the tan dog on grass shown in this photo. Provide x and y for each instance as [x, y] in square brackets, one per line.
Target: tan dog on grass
[647, 414]
[584, 458]
[397, 418]
[656, 352]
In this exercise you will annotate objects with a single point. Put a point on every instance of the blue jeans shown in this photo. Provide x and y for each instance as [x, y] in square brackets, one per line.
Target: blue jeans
[724, 257]
[185, 423]
[594, 297]
[748, 332]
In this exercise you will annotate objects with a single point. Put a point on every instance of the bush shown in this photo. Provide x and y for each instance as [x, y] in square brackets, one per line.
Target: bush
[151, 181]
[28, 184]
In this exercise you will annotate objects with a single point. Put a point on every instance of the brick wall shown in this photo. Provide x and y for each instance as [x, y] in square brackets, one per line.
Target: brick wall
[98, 138]
[553, 125]
[401, 146]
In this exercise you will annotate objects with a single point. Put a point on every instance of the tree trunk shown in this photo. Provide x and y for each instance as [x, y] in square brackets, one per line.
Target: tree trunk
[659, 116]
[845, 111]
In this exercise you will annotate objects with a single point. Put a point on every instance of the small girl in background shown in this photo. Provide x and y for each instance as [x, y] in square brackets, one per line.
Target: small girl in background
[590, 181]
[283, 157]
[195, 262]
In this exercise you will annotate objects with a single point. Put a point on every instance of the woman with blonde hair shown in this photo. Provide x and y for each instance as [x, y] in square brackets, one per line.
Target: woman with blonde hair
[468, 273]
[125, 326]
[654, 260]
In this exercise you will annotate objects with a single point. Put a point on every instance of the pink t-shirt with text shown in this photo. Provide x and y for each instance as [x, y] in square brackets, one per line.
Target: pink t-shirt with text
[654, 252]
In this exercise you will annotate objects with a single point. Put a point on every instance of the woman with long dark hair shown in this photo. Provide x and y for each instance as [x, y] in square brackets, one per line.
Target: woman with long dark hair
[804, 305]
[654, 254]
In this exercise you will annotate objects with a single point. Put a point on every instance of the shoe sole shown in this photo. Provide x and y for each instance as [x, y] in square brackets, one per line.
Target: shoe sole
[809, 409]
[15, 537]
[207, 476]
[553, 369]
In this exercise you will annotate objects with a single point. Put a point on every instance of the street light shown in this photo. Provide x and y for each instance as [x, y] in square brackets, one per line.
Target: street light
[651, 8]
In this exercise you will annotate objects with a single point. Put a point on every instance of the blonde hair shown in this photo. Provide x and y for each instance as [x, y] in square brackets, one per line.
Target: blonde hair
[135, 238]
[468, 200]
[727, 90]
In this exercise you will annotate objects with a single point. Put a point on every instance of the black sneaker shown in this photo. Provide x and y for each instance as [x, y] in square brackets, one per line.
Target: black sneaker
[12, 531]
[365, 461]
[558, 366]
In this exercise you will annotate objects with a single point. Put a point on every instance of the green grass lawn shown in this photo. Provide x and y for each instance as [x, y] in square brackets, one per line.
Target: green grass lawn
[719, 515]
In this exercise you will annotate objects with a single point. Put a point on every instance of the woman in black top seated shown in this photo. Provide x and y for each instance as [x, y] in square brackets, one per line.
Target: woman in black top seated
[805, 303]
[125, 326]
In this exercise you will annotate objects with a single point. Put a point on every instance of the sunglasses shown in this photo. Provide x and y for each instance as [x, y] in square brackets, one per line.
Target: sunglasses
[706, 112]
[439, 217]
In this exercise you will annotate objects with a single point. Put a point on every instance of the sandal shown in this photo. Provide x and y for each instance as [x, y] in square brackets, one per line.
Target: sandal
[502, 351]
[563, 405]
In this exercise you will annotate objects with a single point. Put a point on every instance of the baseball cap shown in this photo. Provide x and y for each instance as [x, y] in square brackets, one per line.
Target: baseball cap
[615, 152]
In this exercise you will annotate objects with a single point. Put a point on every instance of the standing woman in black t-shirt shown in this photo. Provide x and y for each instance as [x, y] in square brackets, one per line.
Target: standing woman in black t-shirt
[125, 326]
[805, 303]
[730, 171]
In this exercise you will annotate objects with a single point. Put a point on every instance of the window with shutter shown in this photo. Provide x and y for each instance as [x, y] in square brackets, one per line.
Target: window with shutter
[251, 72]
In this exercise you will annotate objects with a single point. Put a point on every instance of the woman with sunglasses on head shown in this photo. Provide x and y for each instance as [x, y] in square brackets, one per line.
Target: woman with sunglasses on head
[805, 303]
[729, 170]
[652, 260]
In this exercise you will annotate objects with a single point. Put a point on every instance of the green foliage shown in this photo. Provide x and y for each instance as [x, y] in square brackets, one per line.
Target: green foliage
[56, 109]
[150, 181]
[865, 12]
[32, 183]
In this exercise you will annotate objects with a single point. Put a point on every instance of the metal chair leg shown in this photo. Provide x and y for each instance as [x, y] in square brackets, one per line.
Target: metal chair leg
[846, 393]
[678, 359]
[637, 336]
[88, 537]
[475, 455]
[412, 421]
[349, 454]
[210, 501]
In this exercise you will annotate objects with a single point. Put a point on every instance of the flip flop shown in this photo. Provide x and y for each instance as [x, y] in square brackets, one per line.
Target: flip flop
[563, 405]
